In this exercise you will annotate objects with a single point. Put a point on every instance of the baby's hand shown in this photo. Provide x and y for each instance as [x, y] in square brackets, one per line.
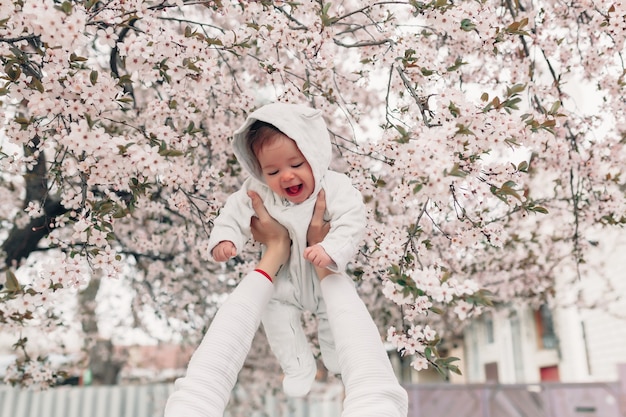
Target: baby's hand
[318, 256]
[223, 251]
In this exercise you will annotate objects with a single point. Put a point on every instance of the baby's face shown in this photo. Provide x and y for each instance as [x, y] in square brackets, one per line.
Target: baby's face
[285, 170]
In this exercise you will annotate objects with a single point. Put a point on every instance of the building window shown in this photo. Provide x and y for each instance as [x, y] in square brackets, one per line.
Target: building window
[546, 338]
[491, 372]
[549, 374]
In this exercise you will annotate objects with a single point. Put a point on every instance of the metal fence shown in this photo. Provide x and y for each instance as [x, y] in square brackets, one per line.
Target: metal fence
[534, 400]
[144, 401]
[475, 400]
[92, 401]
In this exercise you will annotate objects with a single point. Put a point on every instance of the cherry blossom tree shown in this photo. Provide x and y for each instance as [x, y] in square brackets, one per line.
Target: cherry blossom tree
[465, 124]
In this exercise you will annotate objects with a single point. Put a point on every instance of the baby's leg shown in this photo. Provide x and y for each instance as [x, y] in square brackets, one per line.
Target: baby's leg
[283, 327]
[372, 389]
[327, 344]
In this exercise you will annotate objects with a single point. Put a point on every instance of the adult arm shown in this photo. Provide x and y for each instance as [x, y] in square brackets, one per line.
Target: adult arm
[372, 389]
[212, 371]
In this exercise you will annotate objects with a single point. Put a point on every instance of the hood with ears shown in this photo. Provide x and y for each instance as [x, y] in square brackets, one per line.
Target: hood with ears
[302, 124]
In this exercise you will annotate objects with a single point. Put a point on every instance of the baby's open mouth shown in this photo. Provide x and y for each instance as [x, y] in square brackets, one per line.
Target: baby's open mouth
[293, 190]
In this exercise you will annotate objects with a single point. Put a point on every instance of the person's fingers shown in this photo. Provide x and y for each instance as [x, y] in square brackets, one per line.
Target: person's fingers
[257, 205]
[318, 228]
[319, 209]
[255, 226]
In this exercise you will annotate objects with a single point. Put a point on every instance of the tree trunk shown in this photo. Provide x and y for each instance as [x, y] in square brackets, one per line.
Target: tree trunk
[21, 242]
[104, 364]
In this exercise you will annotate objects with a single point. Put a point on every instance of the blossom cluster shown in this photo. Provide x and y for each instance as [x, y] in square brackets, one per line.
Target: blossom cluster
[481, 172]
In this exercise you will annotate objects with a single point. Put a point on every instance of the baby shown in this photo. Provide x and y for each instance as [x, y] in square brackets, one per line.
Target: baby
[287, 151]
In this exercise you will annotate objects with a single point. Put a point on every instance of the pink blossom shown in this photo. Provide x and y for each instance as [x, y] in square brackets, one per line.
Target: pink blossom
[419, 363]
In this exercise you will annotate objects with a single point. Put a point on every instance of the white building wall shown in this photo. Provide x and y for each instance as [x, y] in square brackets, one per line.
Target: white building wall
[606, 324]
[528, 346]
[572, 346]
[506, 369]
[585, 353]
[607, 344]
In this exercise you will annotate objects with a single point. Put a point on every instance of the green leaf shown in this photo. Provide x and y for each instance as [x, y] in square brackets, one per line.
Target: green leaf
[214, 41]
[456, 171]
[76, 58]
[507, 189]
[36, 84]
[428, 353]
[538, 209]
[120, 212]
[515, 28]
[326, 19]
[454, 110]
[457, 64]
[449, 360]
[404, 135]
[515, 89]
[436, 310]
[522, 166]
[512, 103]
[12, 284]
[67, 7]
[467, 25]
[463, 130]
[455, 369]
[555, 107]
[512, 141]
[93, 77]
[170, 152]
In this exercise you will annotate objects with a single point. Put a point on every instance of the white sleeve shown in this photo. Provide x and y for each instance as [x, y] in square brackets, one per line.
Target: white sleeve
[346, 212]
[212, 371]
[233, 222]
[372, 389]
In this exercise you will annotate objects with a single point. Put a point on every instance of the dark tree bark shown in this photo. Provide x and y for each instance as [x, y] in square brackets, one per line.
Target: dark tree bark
[21, 242]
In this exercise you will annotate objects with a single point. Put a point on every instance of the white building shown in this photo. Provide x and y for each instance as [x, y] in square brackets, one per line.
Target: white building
[563, 343]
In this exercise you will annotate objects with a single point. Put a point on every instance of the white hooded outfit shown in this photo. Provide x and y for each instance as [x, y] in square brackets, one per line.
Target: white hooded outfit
[297, 287]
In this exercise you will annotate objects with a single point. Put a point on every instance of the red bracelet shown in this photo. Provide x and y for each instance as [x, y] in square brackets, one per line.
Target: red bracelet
[262, 272]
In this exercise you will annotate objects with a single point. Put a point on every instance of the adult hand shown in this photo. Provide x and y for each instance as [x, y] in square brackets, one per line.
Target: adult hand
[318, 228]
[272, 234]
[317, 231]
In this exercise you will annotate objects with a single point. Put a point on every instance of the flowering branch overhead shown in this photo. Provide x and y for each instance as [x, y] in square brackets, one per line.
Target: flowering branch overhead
[484, 171]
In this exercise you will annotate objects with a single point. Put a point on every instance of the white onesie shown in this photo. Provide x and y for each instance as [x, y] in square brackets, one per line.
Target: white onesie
[296, 287]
